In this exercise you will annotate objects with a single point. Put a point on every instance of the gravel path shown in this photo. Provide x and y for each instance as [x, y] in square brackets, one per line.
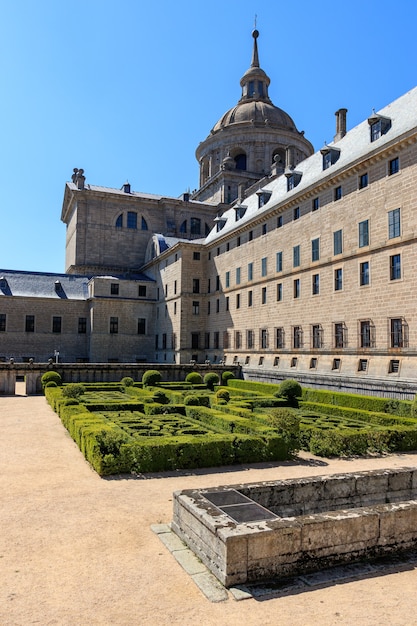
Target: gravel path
[78, 550]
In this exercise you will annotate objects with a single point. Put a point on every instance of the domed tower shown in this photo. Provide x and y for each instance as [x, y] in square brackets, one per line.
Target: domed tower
[248, 141]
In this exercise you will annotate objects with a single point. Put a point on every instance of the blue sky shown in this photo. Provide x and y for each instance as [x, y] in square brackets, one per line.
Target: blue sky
[126, 90]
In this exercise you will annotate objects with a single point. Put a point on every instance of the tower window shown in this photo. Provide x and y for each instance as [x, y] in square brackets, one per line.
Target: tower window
[240, 161]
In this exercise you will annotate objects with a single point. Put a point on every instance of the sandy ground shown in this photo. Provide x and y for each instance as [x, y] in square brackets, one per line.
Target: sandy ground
[76, 549]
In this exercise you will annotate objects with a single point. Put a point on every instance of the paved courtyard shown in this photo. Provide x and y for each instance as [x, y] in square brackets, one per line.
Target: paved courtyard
[76, 549]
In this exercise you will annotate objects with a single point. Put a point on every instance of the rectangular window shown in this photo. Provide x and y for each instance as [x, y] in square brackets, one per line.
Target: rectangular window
[164, 341]
[250, 298]
[279, 221]
[195, 341]
[337, 242]
[337, 194]
[264, 229]
[195, 228]
[296, 256]
[279, 292]
[296, 288]
[339, 335]
[238, 276]
[196, 285]
[366, 334]
[156, 342]
[216, 340]
[217, 305]
[250, 235]
[238, 300]
[297, 337]
[279, 338]
[141, 326]
[142, 291]
[226, 340]
[363, 180]
[82, 325]
[196, 307]
[362, 365]
[56, 324]
[364, 273]
[395, 266]
[196, 256]
[394, 223]
[263, 295]
[238, 339]
[2, 322]
[296, 213]
[363, 233]
[279, 262]
[250, 271]
[227, 303]
[264, 266]
[398, 333]
[316, 336]
[315, 285]
[394, 166]
[394, 366]
[250, 339]
[207, 341]
[227, 279]
[114, 289]
[336, 364]
[338, 279]
[315, 205]
[30, 324]
[315, 249]
[114, 325]
[217, 283]
[264, 338]
[238, 242]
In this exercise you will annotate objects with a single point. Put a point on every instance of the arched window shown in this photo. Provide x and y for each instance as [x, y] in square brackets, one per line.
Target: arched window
[119, 221]
[240, 160]
[144, 225]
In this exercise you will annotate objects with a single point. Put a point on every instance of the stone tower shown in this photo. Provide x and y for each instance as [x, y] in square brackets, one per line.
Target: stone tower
[250, 141]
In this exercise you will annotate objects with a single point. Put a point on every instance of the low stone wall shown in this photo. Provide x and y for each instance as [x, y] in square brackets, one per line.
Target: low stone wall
[247, 533]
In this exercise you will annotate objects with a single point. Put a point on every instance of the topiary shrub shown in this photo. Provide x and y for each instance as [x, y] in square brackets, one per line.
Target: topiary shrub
[290, 389]
[127, 381]
[222, 394]
[414, 407]
[211, 379]
[50, 383]
[194, 378]
[227, 376]
[160, 397]
[51, 377]
[287, 425]
[73, 390]
[192, 401]
[151, 377]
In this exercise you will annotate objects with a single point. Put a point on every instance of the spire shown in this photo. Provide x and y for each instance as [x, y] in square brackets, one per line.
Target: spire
[255, 81]
[255, 57]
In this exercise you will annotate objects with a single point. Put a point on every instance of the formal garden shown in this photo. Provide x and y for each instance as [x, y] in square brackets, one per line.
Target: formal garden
[152, 425]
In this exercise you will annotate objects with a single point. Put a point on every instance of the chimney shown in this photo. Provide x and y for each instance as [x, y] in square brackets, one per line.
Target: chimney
[241, 192]
[289, 158]
[126, 187]
[340, 124]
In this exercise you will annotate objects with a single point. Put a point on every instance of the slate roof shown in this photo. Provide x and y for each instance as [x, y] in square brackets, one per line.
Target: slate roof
[50, 285]
[354, 146]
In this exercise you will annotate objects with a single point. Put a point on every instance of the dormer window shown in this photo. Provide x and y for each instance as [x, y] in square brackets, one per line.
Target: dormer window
[330, 156]
[379, 125]
[220, 223]
[240, 211]
[263, 197]
[293, 179]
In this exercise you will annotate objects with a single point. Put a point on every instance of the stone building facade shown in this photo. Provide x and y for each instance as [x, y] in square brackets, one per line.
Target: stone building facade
[288, 261]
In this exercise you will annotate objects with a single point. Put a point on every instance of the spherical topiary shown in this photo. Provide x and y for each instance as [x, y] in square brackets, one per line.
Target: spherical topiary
[211, 379]
[227, 376]
[51, 376]
[73, 390]
[194, 378]
[127, 381]
[151, 377]
[290, 389]
[223, 394]
[192, 401]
